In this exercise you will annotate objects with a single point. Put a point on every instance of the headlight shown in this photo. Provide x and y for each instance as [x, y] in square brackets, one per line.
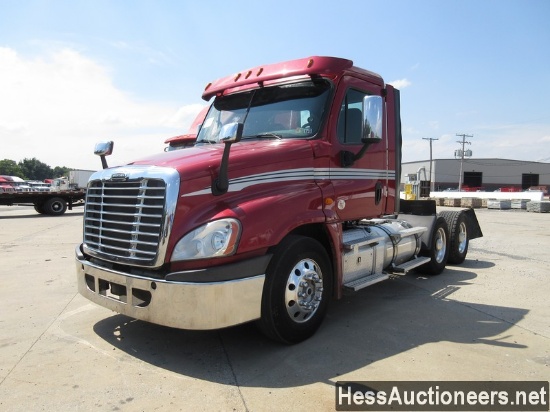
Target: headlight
[218, 238]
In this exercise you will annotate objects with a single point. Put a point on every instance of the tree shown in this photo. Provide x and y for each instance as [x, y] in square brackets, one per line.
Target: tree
[34, 169]
[10, 168]
[60, 171]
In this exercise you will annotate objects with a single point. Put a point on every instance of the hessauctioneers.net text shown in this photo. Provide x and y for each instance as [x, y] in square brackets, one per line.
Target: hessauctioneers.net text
[442, 396]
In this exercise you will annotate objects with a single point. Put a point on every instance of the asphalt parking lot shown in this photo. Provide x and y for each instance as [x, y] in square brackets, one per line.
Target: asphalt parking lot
[486, 320]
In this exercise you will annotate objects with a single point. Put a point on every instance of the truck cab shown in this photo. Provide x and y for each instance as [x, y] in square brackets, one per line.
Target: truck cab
[6, 185]
[288, 197]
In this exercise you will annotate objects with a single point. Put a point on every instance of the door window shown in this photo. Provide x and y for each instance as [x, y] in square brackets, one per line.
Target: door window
[350, 118]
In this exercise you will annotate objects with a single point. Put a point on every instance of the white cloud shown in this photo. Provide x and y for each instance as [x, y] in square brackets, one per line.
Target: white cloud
[514, 141]
[55, 107]
[433, 125]
[525, 141]
[401, 83]
[182, 115]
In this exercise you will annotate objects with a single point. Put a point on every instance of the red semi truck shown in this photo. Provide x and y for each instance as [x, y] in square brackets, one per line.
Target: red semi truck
[289, 198]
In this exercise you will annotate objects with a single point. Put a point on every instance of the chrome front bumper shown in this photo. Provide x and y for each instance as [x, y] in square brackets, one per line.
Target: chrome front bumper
[183, 305]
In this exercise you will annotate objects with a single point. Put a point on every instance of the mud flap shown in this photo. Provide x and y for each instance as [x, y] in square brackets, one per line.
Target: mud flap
[473, 225]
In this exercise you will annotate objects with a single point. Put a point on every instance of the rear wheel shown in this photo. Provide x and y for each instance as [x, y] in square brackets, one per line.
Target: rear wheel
[458, 234]
[439, 251]
[55, 206]
[297, 290]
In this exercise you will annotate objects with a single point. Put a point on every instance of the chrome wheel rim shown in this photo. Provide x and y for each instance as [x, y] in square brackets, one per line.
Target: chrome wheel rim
[462, 238]
[57, 206]
[304, 290]
[440, 245]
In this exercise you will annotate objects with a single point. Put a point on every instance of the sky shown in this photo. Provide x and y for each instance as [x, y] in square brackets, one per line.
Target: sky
[76, 72]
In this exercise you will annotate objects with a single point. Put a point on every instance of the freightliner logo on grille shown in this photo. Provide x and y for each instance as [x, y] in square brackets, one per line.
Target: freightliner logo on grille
[119, 176]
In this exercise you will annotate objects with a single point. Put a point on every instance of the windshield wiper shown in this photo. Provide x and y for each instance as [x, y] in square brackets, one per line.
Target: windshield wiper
[264, 136]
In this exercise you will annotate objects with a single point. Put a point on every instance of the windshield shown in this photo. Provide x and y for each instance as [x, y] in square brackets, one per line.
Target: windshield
[285, 111]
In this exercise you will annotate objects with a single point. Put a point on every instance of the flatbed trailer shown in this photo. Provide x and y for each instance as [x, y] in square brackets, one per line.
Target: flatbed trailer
[48, 203]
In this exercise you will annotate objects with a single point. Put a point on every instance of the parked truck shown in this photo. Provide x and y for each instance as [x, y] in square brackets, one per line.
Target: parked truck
[47, 203]
[77, 180]
[6, 185]
[289, 198]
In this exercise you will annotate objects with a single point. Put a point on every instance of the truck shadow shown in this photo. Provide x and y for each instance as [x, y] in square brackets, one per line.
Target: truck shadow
[382, 321]
[32, 214]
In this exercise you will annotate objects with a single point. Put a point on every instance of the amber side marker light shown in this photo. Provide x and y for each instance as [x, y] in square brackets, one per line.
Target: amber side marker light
[309, 63]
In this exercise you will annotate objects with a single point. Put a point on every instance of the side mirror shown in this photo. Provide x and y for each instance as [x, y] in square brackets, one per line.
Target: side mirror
[373, 109]
[372, 119]
[103, 149]
[231, 133]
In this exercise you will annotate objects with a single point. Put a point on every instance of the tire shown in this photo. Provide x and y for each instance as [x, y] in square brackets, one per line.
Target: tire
[39, 207]
[55, 206]
[439, 251]
[297, 290]
[459, 236]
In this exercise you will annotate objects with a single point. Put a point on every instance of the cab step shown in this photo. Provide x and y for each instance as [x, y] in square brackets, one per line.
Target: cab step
[365, 281]
[403, 268]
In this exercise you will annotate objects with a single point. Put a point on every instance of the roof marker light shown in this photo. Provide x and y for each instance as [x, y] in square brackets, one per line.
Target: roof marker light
[260, 71]
[237, 77]
[309, 63]
[208, 86]
[248, 74]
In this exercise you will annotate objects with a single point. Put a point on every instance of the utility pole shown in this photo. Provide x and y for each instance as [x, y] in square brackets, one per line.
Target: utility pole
[462, 152]
[431, 139]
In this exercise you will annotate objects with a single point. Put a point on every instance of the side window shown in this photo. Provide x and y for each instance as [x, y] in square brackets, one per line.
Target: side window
[350, 120]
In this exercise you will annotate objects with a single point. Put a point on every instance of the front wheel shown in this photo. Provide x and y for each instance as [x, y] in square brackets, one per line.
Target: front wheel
[439, 251]
[297, 290]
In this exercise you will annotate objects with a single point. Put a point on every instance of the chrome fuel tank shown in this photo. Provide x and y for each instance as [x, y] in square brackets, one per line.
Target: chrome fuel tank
[374, 245]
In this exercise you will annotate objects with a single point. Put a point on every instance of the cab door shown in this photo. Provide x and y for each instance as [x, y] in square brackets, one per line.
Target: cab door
[360, 187]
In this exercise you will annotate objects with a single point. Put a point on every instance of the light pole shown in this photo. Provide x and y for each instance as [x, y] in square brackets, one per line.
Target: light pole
[462, 152]
[431, 139]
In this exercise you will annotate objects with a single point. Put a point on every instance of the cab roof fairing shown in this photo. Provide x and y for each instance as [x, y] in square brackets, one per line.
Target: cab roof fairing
[310, 66]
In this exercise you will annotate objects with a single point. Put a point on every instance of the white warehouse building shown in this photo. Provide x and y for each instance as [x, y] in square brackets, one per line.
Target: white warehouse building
[478, 174]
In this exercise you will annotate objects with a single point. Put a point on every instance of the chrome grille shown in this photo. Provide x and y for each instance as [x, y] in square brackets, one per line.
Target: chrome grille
[123, 220]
